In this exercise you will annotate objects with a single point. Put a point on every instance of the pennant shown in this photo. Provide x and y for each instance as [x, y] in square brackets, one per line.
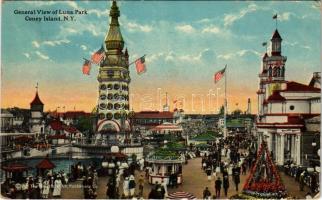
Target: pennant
[264, 44]
[86, 67]
[275, 16]
[140, 65]
[98, 55]
[218, 75]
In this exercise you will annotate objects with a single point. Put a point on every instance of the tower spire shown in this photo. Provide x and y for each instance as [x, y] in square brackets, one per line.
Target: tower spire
[114, 39]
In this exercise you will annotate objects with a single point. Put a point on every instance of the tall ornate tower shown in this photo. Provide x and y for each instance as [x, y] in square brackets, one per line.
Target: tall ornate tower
[113, 78]
[273, 71]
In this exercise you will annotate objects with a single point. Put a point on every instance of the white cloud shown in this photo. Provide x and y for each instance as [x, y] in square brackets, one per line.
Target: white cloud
[239, 53]
[154, 57]
[204, 20]
[70, 30]
[27, 55]
[211, 29]
[293, 44]
[185, 28]
[41, 55]
[306, 47]
[170, 56]
[73, 4]
[284, 16]
[132, 26]
[229, 19]
[36, 44]
[55, 42]
[83, 47]
[98, 13]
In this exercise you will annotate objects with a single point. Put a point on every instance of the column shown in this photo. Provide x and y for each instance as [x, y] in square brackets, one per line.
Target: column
[162, 170]
[276, 153]
[298, 149]
[293, 149]
[281, 154]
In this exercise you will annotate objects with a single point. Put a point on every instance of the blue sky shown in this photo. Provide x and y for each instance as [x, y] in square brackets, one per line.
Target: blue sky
[185, 43]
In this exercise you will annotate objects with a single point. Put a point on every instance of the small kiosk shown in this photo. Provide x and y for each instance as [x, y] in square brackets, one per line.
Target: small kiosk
[164, 164]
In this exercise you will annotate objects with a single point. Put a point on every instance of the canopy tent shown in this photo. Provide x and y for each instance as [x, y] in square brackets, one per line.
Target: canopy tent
[203, 146]
[167, 127]
[15, 167]
[45, 164]
[16, 170]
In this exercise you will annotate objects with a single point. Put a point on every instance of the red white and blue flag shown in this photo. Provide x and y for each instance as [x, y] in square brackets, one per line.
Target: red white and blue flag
[98, 55]
[86, 67]
[140, 65]
[218, 75]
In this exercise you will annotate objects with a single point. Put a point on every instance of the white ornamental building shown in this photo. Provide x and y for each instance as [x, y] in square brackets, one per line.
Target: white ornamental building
[283, 106]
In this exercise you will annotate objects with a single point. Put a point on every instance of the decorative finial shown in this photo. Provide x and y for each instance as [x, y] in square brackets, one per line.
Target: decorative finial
[126, 53]
[275, 17]
[37, 87]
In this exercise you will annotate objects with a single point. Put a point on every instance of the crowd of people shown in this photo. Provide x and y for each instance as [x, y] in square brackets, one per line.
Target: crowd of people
[303, 176]
[235, 163]
[36, 187]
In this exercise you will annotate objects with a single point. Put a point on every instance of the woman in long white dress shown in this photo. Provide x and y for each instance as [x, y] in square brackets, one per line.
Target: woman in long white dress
[126, 189]
[57, 188]
[46, 188]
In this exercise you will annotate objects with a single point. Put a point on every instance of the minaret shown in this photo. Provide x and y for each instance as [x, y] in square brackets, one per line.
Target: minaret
[36, 113]
[166, 107]
[248, 107]
[114, 77]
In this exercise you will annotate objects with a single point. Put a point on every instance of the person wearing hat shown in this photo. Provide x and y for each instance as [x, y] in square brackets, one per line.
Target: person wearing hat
[218, 186]
[132, 186]
[141, 186]
[46, 188]
[57, 188]
[206, 193]
[226, 184]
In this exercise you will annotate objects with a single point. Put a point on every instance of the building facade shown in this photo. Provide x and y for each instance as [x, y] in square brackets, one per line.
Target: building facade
[283, 107]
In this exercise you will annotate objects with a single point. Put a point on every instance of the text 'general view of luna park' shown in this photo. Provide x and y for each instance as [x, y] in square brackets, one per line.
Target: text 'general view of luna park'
[160, 99]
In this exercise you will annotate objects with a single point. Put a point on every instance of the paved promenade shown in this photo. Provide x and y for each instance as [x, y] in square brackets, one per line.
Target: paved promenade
[195, 180]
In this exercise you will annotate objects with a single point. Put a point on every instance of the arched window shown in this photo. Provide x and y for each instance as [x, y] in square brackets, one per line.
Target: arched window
[270, 71]
[283, 71]
[274, 71]
[278, 72]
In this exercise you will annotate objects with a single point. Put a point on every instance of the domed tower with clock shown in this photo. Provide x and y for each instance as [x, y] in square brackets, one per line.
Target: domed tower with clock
[114, 79]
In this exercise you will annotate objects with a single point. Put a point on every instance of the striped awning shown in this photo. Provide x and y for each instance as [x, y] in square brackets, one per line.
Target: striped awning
[181, 195]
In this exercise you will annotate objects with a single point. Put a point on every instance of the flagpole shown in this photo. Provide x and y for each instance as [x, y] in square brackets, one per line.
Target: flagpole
[225, 109]
[137, 59]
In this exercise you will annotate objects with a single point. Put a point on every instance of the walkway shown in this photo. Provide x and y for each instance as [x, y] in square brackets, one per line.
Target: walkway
[195, 181]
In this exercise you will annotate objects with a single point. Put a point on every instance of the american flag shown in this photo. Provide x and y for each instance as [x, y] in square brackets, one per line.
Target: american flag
[275, 16]
[140, 65]
[98, 55]
[86, 66]
[218, 75]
